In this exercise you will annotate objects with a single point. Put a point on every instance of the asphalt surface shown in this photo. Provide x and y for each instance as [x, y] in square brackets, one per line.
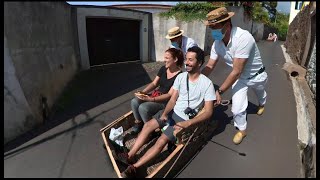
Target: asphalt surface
[69, 144]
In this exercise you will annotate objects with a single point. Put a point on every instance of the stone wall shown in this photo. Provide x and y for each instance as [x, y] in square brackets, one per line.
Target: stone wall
[40, 59]
[298, 32]
[301, 44]
[311, 72]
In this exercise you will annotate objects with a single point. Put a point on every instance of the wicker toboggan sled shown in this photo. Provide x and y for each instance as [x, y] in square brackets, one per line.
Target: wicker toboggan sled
[170, 161]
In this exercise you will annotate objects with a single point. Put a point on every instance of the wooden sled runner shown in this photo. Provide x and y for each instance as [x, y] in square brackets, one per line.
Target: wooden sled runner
[170, 161]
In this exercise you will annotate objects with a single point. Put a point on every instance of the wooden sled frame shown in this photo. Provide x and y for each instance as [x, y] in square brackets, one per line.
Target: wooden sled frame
[199, 138]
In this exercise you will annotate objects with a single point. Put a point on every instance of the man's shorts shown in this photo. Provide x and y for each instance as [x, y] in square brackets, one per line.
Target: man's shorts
[173, 118]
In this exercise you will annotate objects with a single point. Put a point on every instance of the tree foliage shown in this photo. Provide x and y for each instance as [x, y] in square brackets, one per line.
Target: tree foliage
[189, 11]
[271, 8]
[281, 24]
[259, 14]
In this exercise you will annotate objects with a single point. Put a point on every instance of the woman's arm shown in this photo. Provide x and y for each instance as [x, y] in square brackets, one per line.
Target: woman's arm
[164, 97]
[154, 84]
[161, 98]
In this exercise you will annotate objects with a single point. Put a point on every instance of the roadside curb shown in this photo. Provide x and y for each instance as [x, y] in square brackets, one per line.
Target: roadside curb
[306, 131]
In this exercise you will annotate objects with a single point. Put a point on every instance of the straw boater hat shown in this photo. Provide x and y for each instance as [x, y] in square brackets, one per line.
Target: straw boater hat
[174, 32]
[218, 15]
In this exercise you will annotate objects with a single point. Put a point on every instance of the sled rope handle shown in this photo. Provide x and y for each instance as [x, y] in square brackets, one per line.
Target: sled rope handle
[223, 103]
[180, 153]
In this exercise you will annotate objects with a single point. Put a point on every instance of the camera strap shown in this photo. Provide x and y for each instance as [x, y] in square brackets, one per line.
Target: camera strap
[188, 87]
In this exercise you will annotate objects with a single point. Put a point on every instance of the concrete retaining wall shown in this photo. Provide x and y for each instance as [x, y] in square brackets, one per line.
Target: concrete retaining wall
[40, 59]
[306, 123]
[301, 47]
[17, 114]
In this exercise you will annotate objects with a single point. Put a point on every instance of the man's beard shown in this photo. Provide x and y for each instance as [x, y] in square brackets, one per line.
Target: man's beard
[193, 69]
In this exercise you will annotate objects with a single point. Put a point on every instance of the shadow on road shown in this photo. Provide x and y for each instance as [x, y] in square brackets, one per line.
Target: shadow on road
[87, 90]
[97, 86]
[223, 118]
[252, 108]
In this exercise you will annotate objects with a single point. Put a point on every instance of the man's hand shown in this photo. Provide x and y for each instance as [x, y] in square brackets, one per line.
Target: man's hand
[181, 125]
[164, 117]
[144, 97]
[218, 101]
[141, 92]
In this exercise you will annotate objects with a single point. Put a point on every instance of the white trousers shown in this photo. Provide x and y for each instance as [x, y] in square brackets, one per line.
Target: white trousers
[240, 97]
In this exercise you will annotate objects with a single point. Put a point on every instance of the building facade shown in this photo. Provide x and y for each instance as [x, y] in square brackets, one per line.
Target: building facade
[296, 7]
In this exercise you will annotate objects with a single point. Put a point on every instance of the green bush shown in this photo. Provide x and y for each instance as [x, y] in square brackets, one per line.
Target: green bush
[281, 24]
[259, 14]
[189, 11]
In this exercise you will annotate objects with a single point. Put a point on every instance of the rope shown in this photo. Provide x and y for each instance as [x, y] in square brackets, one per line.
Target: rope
[223, 103]
[180, 153]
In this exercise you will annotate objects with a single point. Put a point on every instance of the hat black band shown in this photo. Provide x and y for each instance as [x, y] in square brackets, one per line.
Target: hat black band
[175, 34]
[218, 19]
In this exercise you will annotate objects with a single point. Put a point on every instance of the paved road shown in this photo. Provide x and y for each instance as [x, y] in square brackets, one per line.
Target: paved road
[73, 148]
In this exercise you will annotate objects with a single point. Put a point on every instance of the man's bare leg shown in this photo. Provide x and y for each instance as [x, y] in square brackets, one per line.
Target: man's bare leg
[153, 151]
[147, 129]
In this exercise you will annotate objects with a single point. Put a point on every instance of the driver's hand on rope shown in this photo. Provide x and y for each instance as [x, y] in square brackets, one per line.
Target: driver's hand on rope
[218, 100]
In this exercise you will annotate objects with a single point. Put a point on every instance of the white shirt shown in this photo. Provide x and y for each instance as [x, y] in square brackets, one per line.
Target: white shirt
[186, 44]
[199, 91]
[241, 45]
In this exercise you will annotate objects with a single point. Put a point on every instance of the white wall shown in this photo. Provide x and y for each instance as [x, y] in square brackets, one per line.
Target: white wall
[195, 30]
[293, 11]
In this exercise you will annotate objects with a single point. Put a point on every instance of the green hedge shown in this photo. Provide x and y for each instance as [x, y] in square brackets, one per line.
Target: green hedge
[259, 14]
[189, 11]
[281, 23]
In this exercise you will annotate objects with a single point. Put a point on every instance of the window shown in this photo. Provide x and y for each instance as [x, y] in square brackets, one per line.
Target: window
[298, 5]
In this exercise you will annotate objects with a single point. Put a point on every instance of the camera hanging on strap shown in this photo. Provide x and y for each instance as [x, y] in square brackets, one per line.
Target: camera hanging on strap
[189, 111]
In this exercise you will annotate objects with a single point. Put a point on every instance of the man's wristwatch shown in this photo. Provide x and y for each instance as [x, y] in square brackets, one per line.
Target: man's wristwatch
[220, 92]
